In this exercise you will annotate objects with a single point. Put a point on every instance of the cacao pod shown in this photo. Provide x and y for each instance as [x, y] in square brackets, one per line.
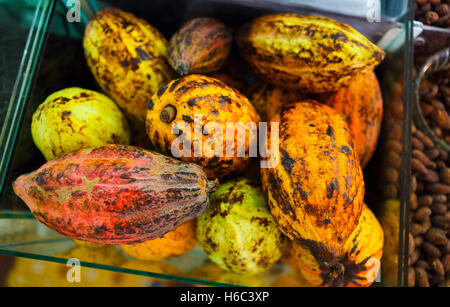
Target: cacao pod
[171, 122]
[268, 99]
[74, 119]
[359, 264]
[314, 54]
[316, 190]
[201, 46]
[361, 105]
[174, 243]
[114, 194]
[128, 58]
[237, 232]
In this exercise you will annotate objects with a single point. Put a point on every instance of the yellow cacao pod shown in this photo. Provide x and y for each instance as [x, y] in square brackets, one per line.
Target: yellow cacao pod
[128, 58]
[357, 267]
[197, 109]
[76, 118]
[314, 54]
[316, 190]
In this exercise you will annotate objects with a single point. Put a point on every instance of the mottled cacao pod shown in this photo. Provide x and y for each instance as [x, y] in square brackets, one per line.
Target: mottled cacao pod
[115, 194]
[316, 190]
[200, 46]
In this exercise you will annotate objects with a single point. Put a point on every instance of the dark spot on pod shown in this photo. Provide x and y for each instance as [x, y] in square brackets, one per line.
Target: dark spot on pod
[224, 99]
[174, 85]
[84, 95]
[345, 150]
[331, 188]
[326, 221]
[187, 118]
[168, 114]
[125, 63]
[308, 208]
[162, 90]
[192, 103]
[330, 132]
[287, 162]
[142, 54]
[66, 113]
[151, 104]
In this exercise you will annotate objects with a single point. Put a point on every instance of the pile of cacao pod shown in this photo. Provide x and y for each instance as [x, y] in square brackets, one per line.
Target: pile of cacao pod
[145, 165]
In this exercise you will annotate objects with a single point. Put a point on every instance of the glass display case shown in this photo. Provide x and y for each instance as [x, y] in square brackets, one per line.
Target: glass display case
[41, 52]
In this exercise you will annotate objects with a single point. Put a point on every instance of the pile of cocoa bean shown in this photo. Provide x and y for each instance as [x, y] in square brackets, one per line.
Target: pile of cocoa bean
[435, 103]
[433, 12]
[429, 245]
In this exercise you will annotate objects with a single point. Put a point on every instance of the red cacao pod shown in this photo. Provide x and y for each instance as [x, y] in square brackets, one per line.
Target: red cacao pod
[115, 194]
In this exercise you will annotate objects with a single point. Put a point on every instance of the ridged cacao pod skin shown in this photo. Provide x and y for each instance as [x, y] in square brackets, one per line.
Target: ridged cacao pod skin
[174, 243]
[75, 118]
[128, 58]
[316, 190]
[361, 105]
[180, 101]
[268, 98]
[114, 194]
[359, 265]
[201, 46]
[314, 54]
[237, 232]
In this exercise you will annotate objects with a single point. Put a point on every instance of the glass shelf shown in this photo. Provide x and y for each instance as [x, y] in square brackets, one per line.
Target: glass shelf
[62, 65]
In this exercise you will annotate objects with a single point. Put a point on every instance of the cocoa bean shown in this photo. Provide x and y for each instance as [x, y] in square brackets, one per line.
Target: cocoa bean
[443, 9]
[438, 267]
[446, 263]
[446, 248]
[391, 175]
[425, 139]
[423, 264]
[444, 174]
[426, 109]
[411, 277]
[436, 279]
[416, 143]
[417, 166]
[394, 159]
[422, 157]
[436, 236]
[441, 221]
[416, 229]
[414, 183]
[432, 153]
[438, 188]
[414, 203]
[390, 191]
[439, 198]
[435, 2]
[425, 201]
[422, 213]
[421, 277]
[443, 154]
[418, 241]
[438, 208]
[426, 224]
[430, 177]
[395, 146]
[414, 257]
[411, 245]
[431, 250]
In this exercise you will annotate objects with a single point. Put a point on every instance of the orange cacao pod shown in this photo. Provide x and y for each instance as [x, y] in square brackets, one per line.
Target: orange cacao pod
[316, 190]
[115, 194]
[361, 105]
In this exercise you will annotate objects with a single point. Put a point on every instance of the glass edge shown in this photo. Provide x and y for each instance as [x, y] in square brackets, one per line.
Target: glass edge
[405, 183]
[22, 85]
[174, 278]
